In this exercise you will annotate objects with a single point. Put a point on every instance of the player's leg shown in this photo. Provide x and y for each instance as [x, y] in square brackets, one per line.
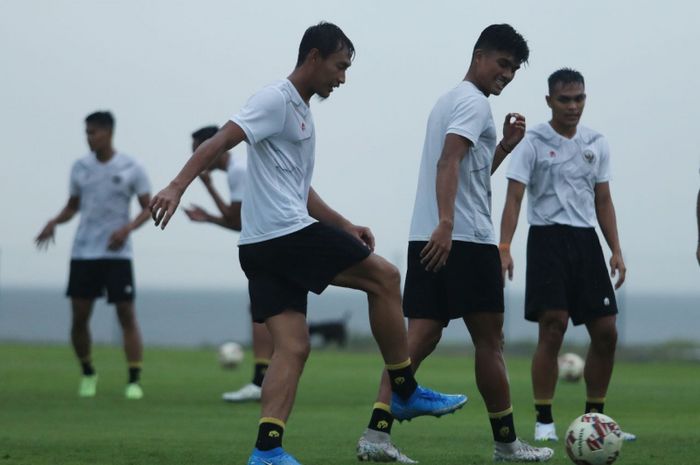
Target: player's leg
[262, 353]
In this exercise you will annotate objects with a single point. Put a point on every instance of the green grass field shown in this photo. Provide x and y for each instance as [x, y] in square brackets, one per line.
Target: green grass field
[182, 421]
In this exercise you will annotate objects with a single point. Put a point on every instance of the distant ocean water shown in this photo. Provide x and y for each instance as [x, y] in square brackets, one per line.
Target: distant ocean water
[190, 318]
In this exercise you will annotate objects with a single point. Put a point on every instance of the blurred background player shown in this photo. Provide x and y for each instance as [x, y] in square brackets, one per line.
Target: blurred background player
[102, 185]
[566, 168]
[292, 242]
[230, 217]
[453, 262]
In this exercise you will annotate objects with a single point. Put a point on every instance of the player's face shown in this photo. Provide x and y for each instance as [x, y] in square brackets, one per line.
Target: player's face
[567, 102]
[98, 138]
[495, 70]
[329, 72]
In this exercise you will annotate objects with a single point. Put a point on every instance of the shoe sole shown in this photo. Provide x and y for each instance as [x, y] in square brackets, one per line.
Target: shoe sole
[435, 414]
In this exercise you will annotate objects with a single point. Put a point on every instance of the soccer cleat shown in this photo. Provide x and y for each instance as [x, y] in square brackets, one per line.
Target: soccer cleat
[545, 432]
[628, 436]
[425, 401]
[276, 456]
[380, 451]
[249, 392]
[88, 386]
[133, 391]
[520, 451]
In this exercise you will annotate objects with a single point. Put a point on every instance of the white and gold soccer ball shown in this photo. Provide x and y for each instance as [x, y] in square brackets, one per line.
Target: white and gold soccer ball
[593, 439]
[570, 367]
[230, 355]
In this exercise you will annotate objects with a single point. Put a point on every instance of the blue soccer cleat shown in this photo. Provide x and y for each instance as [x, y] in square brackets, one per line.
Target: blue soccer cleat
[276, 456]
[425, 401]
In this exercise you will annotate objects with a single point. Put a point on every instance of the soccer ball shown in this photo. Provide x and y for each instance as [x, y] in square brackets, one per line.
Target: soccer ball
[230, 355]
[593, 439]
[570, 367]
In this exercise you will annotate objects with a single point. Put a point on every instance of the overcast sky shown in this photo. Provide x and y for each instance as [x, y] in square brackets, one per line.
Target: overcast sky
[167, 67]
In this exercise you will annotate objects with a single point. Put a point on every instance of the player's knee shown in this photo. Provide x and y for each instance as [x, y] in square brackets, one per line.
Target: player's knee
[298, 349]
[552, 331]
[386, 278]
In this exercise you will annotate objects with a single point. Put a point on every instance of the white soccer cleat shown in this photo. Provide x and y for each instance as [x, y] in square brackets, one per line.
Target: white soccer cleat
[248, 393]
[378, 448]
[628, 436]
[520, 451]
[545, 432]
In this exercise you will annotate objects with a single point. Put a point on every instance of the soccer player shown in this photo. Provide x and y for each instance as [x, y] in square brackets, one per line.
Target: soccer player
[292, 242]
[453, 263]
[102, 185]
[230, 217]
[566, 169]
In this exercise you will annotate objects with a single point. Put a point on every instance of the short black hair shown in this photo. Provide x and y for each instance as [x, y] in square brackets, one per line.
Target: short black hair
[103, 119]
[327, 38]
[202, 134]
[564, 76]
[503, 38]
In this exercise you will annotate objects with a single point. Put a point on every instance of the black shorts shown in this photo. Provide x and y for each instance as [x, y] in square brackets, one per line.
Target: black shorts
[282, 271]
[470, 282]
[566, 270]
[89, 279]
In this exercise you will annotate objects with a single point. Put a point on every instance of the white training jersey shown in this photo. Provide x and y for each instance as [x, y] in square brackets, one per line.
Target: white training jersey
[105, 191]
[464, 111]
[281, 141]
[561, 174]
[235, 172]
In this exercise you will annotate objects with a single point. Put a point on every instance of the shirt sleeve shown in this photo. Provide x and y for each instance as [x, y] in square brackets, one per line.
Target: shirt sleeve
[469, 118]
[236, 181]
[141, 183]
[603, 174]
[74, 187]
[263, 115]
[522, 162]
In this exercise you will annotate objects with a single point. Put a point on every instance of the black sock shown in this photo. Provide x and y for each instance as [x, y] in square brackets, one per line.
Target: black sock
[259, 371]
[402, 381]
[381, 419]
[595, 404]
[544, 411]
[134, 374]
[270, 431]
[88, 369]
[502, 426]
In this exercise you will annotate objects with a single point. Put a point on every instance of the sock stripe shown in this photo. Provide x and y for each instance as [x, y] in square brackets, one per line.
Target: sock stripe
[398, 366]
[262, 361]
[596, 400]
[501, 414]
[382, 406]
[543, 401]
[274, 421]
[135, 364]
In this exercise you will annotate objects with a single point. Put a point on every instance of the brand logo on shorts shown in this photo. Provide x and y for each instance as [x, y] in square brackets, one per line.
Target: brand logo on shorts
[128, 289]
[589, 156]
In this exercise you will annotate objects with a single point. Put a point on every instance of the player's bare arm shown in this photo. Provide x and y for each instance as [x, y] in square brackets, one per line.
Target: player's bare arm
[513, 133]
[434, 254]
[605, 212]
[165, 203]
[509, 222]
[320, 210]
[46, 236]
[119, 237]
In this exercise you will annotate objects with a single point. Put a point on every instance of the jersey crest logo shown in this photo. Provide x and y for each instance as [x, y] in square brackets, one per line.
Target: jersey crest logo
[303, 126]
[589, 156]
[552, 154]
[116, 179]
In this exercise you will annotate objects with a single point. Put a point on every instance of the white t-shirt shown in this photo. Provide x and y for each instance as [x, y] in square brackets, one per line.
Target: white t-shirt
[281, 141]
[464, 111]
[235, 172]
[105, 191]
[561, 174]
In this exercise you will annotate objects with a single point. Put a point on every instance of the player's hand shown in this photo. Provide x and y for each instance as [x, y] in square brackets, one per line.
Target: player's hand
[196, 213]
[46, 236]
[617, 266]
[363, 233]
[507, 264]
[118, 238]
[434, 254]
[205, 177]
[513, 130]
[164, 205]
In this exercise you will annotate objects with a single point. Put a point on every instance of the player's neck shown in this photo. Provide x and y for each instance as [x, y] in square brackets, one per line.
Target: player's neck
[104, 155]
[564, 131]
